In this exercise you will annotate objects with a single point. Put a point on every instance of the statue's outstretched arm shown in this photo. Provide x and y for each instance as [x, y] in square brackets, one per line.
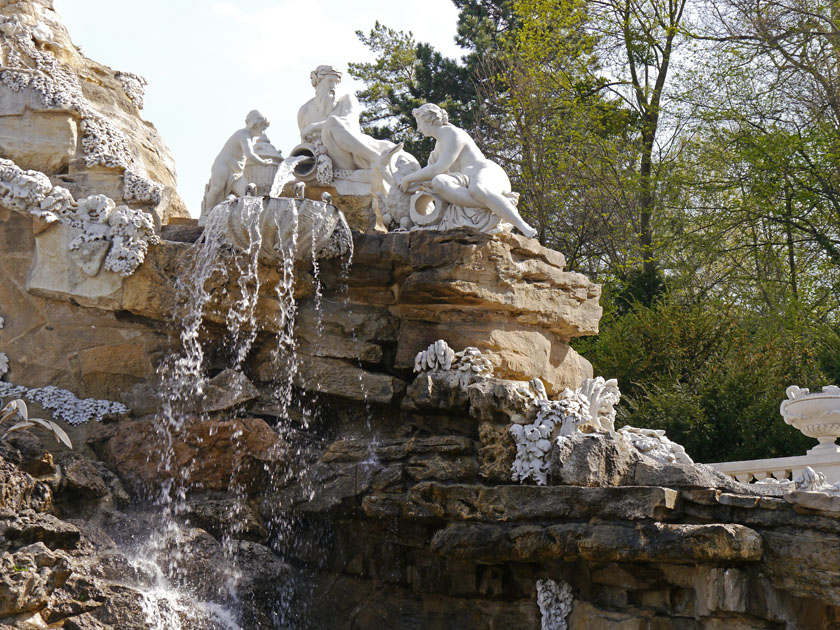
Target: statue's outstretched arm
[447, 148]
[310, 129]
[247, 144]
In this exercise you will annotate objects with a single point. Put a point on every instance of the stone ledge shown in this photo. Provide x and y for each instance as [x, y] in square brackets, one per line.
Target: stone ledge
[356, 450]
[647, 543]
[535, 503]
[821, 502]
[342, 378]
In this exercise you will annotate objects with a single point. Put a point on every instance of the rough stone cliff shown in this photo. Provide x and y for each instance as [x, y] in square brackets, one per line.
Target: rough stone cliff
[413, 524]
[349, 483]
[505, 295]
[76, 120]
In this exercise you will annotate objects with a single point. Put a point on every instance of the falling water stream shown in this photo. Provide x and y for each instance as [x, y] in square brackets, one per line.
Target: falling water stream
[183, 382]
[167, 607]
[233, 272]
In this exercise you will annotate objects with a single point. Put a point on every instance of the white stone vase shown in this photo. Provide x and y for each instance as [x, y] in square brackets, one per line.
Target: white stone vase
[306, 169]
[817, 415]
[262, 176]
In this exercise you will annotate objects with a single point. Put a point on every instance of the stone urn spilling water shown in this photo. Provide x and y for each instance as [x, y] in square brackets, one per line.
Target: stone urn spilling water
[817, 415]
[282, 228]
[304, 225]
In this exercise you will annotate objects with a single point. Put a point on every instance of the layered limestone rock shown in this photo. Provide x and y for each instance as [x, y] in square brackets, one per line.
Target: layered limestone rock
[76, 120]
[389, 500]
[374, 487]
[426, 530]
[90, 351]
[104, 335]
[99, 571]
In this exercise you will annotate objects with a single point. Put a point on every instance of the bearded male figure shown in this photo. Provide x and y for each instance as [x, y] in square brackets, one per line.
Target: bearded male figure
[336, 121]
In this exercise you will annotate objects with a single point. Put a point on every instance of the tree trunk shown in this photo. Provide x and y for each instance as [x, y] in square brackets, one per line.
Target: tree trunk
[646, 201]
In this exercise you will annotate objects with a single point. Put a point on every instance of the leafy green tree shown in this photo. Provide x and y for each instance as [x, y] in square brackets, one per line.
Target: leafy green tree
[640, 39]
[484, 26]
[405, 75]
[557, 136]
[585, 90]
[760, 172]
[389, 80]
[713, 379]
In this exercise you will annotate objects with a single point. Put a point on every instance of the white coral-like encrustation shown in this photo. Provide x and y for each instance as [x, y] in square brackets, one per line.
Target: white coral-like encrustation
[472, 361]
[129, 232]
[134, 86]
[439, 356]
[654, 444]
[602, 397]
[141, 189]
[555, 601]
[592, 405]
[592, 408]
[30, 64]
[132, 231]
[555, 419]
[63, 404]
[810, 480]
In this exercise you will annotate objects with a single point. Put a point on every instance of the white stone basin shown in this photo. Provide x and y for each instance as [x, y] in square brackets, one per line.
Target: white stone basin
[302, 227]
[817, 415]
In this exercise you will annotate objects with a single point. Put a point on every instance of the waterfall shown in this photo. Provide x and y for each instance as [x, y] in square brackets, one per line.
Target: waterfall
[222, 271]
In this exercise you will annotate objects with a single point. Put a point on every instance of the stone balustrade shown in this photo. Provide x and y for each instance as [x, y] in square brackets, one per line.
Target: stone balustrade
[781, 467]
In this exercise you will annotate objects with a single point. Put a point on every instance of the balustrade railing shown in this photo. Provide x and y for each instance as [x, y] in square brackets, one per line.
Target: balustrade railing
[781, 468]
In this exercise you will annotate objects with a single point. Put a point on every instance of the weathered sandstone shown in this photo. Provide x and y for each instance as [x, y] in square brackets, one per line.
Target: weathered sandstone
[76, 120]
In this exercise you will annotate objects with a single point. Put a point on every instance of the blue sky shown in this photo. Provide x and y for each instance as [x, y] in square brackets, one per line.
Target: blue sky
[209, 63]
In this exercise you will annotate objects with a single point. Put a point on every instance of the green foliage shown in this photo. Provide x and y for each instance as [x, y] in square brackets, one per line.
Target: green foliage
[483, 25]
[390, 82]
[390, 78]
[662, 343]
[828, 353]
[637, 287]
[713, 379]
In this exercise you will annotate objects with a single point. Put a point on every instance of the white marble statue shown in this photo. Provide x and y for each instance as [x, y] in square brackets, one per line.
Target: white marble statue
[329, 124]
[226, 174]
[335, 119]
[459, 173]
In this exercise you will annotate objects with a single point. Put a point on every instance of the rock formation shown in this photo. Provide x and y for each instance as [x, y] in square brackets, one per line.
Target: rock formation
[75, 120]
[279, 437]
[71, 554]
[504, 295]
